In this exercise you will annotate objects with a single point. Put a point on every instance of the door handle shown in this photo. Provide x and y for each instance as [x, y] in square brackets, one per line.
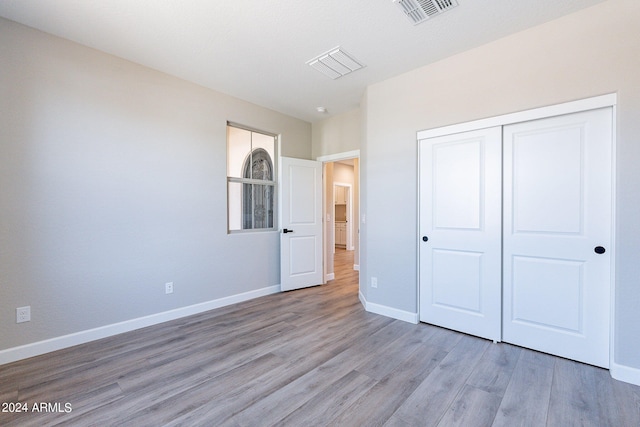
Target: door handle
[425, 238]
[599, 249]
[284, 230]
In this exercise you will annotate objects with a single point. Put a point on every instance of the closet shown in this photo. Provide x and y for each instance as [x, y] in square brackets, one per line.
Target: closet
[515, 230]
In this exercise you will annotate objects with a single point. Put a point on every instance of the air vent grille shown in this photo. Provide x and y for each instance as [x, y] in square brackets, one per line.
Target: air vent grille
[418, 11]
[335, 63]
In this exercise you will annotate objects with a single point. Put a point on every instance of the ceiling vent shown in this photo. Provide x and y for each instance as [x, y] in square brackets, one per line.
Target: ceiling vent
[420, 10]
[335, 63]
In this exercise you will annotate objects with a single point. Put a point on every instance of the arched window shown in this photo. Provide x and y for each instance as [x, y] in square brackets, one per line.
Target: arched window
[250, 179]
[257, 200]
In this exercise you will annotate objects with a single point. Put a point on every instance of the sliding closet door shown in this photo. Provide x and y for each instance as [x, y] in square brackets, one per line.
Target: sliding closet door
[460, 228]
[557, 235]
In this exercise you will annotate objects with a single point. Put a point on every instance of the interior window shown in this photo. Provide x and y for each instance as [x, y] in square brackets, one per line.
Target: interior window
[250, 179]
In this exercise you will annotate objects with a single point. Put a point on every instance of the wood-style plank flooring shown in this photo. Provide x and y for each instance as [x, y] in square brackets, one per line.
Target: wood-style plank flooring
[311, 357]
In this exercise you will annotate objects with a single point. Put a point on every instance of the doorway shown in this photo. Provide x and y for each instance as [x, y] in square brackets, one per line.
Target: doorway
[342, 216]
[341, 213]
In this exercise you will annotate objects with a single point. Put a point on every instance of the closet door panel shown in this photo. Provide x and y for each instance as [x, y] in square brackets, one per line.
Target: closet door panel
[460, 226]
[557, 210]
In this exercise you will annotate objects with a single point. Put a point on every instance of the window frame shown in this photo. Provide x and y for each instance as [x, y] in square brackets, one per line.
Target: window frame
[250, 181]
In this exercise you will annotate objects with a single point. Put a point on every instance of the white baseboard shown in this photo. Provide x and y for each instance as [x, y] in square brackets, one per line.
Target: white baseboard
[356, 267]
[384, 310]
[330, 276]
[362, 299]
[41, 347]
[625, 374]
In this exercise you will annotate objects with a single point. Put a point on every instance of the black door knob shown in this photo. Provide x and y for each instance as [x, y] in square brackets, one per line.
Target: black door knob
[425, 238]
[599, 250]
[284, 230]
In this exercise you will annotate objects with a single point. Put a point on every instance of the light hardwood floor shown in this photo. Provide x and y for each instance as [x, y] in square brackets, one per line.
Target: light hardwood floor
[311, 357]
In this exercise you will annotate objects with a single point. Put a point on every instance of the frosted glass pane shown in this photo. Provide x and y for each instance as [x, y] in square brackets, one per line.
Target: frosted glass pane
[266, 143]
[238, 150]
[262, 205]
[235, 206]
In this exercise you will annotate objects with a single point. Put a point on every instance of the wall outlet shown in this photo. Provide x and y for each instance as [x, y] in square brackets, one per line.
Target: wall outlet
[168, 288]
[374, 282]
[23, 314]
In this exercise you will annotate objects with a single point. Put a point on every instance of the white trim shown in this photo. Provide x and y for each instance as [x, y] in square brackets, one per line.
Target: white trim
[339, 156]
[417, 240]
[625, 373]
[394, 313]
[608, 100]
[41, 347]
[612, 298]
[356, 267]
[278, 188]
[327, 238]
[362, 299]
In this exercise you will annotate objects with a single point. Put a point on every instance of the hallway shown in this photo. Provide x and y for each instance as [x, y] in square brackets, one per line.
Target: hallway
[343, 268]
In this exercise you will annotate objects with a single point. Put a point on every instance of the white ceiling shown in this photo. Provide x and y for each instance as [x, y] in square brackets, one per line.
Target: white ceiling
[257, 50]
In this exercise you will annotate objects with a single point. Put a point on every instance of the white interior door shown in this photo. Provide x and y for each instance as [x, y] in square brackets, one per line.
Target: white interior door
[557, 216]
[301, 223]
[460, 232]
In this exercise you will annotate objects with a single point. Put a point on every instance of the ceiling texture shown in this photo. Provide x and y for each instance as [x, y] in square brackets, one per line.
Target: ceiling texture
[257, 50]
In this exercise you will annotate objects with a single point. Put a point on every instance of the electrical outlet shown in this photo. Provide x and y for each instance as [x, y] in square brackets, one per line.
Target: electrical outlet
[168, 288]
[23, 314]
[374, 282]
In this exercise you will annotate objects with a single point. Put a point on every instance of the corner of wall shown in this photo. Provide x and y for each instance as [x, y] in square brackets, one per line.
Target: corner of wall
[391, 312]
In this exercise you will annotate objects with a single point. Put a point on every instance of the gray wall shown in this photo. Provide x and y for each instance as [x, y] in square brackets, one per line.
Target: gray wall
[113, 182]
[337, 134]
[589, 53]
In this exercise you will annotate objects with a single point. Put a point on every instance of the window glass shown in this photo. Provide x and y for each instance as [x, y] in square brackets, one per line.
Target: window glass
[250, 179]
[238, 150]
[260, 143]
[235, 205]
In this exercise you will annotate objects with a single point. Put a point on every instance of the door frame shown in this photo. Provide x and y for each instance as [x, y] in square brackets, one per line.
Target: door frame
[329, 243]
[602, 101]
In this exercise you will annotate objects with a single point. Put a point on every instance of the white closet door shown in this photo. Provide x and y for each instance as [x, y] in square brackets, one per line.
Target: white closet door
[460, 228]
[557, 218]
